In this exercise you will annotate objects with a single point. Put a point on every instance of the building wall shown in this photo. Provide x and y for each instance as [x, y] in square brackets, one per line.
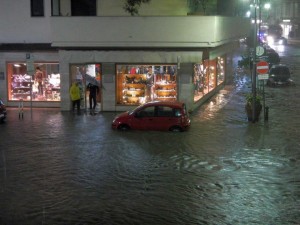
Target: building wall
[17, 25]
[288, 9]
[167, 31]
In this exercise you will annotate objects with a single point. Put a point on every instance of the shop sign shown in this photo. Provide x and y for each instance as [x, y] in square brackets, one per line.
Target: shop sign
[260, 50]
[29, 64]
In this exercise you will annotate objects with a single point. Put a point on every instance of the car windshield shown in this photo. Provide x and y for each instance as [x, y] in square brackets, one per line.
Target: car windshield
[133, 110]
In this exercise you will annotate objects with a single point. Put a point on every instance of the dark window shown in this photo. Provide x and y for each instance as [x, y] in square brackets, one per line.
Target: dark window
[165, 111]
[37, 7]
[147, 112]
[83, 7]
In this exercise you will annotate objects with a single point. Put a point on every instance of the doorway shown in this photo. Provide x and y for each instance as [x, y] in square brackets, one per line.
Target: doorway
[87, 75]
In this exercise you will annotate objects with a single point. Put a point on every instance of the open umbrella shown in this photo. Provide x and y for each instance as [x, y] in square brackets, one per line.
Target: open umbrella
[90, 79]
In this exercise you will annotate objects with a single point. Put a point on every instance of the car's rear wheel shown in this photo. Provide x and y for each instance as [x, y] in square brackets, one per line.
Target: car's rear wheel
[123, 127]
[176, 129]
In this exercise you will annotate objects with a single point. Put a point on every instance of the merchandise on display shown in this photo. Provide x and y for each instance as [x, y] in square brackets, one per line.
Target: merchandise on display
[139, 84]
[28, 87]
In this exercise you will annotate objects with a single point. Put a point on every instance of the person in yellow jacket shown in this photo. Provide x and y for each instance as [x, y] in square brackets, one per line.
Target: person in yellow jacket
[75, 96]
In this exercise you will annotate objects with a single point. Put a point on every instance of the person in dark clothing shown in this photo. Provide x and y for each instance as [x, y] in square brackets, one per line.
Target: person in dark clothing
[94, 90]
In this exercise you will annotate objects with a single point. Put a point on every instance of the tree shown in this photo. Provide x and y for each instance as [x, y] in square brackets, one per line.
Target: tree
[206, 7]
[131, 6]
[197, 5]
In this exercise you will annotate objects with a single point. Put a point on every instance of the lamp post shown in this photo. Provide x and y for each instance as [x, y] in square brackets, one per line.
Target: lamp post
[256, 5]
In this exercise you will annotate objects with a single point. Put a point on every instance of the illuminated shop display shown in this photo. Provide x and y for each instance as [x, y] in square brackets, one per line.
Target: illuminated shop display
[137, 84]
[43, 85]
[220, 70]
[207, 76]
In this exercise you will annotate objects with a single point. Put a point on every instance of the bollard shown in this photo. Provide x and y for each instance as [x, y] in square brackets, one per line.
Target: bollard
[267, 113]
[21, 109]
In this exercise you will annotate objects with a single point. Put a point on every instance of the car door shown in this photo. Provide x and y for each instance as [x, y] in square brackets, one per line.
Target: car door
[166, 118]
[144, 118]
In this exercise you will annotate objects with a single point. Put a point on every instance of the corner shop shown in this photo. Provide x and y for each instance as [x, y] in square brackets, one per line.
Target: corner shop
[189, 76]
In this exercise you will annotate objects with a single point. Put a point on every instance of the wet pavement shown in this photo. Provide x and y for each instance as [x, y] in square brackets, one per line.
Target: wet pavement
[62, 168]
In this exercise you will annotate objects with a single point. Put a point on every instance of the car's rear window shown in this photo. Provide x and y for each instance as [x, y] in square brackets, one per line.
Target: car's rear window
[280, 70]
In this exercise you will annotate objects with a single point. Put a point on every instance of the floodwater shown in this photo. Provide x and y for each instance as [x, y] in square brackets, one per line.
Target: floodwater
[59, 168]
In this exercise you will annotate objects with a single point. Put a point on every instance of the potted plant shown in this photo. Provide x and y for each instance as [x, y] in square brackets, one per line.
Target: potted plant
[248, 107]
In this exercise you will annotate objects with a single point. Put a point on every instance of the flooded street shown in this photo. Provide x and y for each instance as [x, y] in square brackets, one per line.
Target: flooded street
[59, 168]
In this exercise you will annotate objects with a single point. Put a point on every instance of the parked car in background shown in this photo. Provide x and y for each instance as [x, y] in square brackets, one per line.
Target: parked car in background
[272, 56]
[155, 115]
[272, 40]
[2, 111]
[279, 75]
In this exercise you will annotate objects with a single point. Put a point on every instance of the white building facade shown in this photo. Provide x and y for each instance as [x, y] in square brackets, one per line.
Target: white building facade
[162, 54]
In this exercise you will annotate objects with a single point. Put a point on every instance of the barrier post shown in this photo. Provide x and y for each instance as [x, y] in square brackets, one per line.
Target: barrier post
[21, 109]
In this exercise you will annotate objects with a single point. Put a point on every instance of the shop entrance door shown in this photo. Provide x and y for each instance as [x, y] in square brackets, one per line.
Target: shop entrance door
[88, 77]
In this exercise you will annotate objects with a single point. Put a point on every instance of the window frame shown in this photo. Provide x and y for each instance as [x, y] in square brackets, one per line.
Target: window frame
[85, 9]
[37, 8]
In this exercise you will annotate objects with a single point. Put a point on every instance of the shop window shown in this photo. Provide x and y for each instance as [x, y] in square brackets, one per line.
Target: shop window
[205, 79]
[85, 74]
[212, 75]
[44, 85]
[137, 84]
[83, 7]
[200, 81]
[37, 7]
[220, 70]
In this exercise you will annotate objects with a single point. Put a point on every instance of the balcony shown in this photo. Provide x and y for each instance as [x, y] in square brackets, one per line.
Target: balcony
[147, 32]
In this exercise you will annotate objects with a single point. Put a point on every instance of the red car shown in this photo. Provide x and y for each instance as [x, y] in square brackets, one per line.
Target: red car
[156, 115]
[2, 111]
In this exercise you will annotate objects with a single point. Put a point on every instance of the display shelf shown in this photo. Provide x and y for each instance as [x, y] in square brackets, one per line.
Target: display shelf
[133, 88]
[22, 84]
[165, 91]
[137, 84]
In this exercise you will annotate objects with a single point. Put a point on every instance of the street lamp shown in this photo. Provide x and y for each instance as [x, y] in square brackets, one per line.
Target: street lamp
[256, 5]
[267, 8]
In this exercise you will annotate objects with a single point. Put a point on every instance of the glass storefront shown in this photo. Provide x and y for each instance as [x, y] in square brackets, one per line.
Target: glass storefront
[44, 85]
[137, 84]
[207, 76]
[220, 70]
[85, 74]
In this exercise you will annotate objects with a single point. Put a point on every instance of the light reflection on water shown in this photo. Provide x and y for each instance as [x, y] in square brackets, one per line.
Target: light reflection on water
[66, 169]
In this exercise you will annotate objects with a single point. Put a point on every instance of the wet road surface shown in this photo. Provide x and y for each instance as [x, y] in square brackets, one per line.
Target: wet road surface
[60, 168]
